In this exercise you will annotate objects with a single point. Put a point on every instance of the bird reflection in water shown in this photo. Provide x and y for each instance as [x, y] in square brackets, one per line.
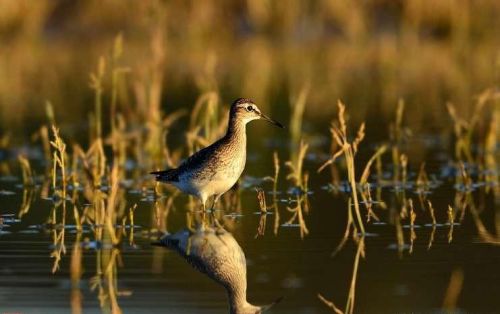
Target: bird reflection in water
[214, 251]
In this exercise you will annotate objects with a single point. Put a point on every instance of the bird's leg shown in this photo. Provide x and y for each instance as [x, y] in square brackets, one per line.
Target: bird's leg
[203, 201]
[203, 208]
[214, 221]
[216, 199]
[217, 223]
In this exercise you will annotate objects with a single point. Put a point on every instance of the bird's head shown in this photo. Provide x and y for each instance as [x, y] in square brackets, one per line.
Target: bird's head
[246, 110]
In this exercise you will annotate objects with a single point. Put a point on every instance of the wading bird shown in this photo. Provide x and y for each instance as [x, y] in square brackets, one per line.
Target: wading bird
[213, 170]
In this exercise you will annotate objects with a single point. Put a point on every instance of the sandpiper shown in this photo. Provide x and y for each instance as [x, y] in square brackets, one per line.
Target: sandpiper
[213, 170]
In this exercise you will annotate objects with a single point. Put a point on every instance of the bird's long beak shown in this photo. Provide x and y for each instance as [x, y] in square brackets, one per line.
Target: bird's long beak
[276, 123]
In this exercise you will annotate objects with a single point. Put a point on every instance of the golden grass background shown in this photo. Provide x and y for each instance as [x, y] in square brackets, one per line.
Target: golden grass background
[367, 53]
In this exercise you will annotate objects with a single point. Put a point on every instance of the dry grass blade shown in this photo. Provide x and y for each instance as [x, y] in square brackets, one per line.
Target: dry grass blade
[44, 136]
[78, 219]
[396, 132]
[276, 173]
[359, 137]
[331, 160]
[296, 168]
[464, 129]
[399, 235]
[341, 117]
[431, 237]
[451, 222]
[366, 196]
[28, 198]
[58, 236]
[422, 181]
[490, 151]
[297, 108]
[403, 159]
[59, 160]
[347, 229]
[76, 274]
[298, 215]
[110, 213]
[96, 83]
[453, 291]
[366, 172]
[261, 196]
[349, 308]
[413, 216]
[27, 174]
[330, 304]
[261, 229]
[431, 212]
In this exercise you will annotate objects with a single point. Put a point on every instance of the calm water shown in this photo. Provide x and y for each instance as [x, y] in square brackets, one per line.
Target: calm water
[142, 276]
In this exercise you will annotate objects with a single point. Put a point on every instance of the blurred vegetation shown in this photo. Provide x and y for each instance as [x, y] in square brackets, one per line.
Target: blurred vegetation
[368, 53]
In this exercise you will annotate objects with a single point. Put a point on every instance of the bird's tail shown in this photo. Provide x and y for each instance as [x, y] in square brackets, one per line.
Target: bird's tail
[165, 175]
[166, 240]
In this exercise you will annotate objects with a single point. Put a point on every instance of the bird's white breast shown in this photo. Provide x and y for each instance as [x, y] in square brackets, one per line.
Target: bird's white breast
[215, 183]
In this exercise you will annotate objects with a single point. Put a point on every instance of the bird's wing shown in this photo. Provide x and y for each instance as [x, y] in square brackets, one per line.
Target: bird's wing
[201, 157]
[193, 162]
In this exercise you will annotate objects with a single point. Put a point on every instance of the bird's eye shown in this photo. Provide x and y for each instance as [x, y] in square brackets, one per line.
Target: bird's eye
[250, 108]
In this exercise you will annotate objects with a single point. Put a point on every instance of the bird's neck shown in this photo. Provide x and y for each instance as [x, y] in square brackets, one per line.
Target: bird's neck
[236, 131]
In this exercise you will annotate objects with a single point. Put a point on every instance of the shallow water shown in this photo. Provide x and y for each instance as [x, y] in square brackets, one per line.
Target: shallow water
[391, 278]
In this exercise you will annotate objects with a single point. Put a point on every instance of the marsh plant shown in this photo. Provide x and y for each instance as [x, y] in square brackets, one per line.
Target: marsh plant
[27, 173]
[349, 149]
[297, 174]
[398, 133]
[297, 107]
[297, 210]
